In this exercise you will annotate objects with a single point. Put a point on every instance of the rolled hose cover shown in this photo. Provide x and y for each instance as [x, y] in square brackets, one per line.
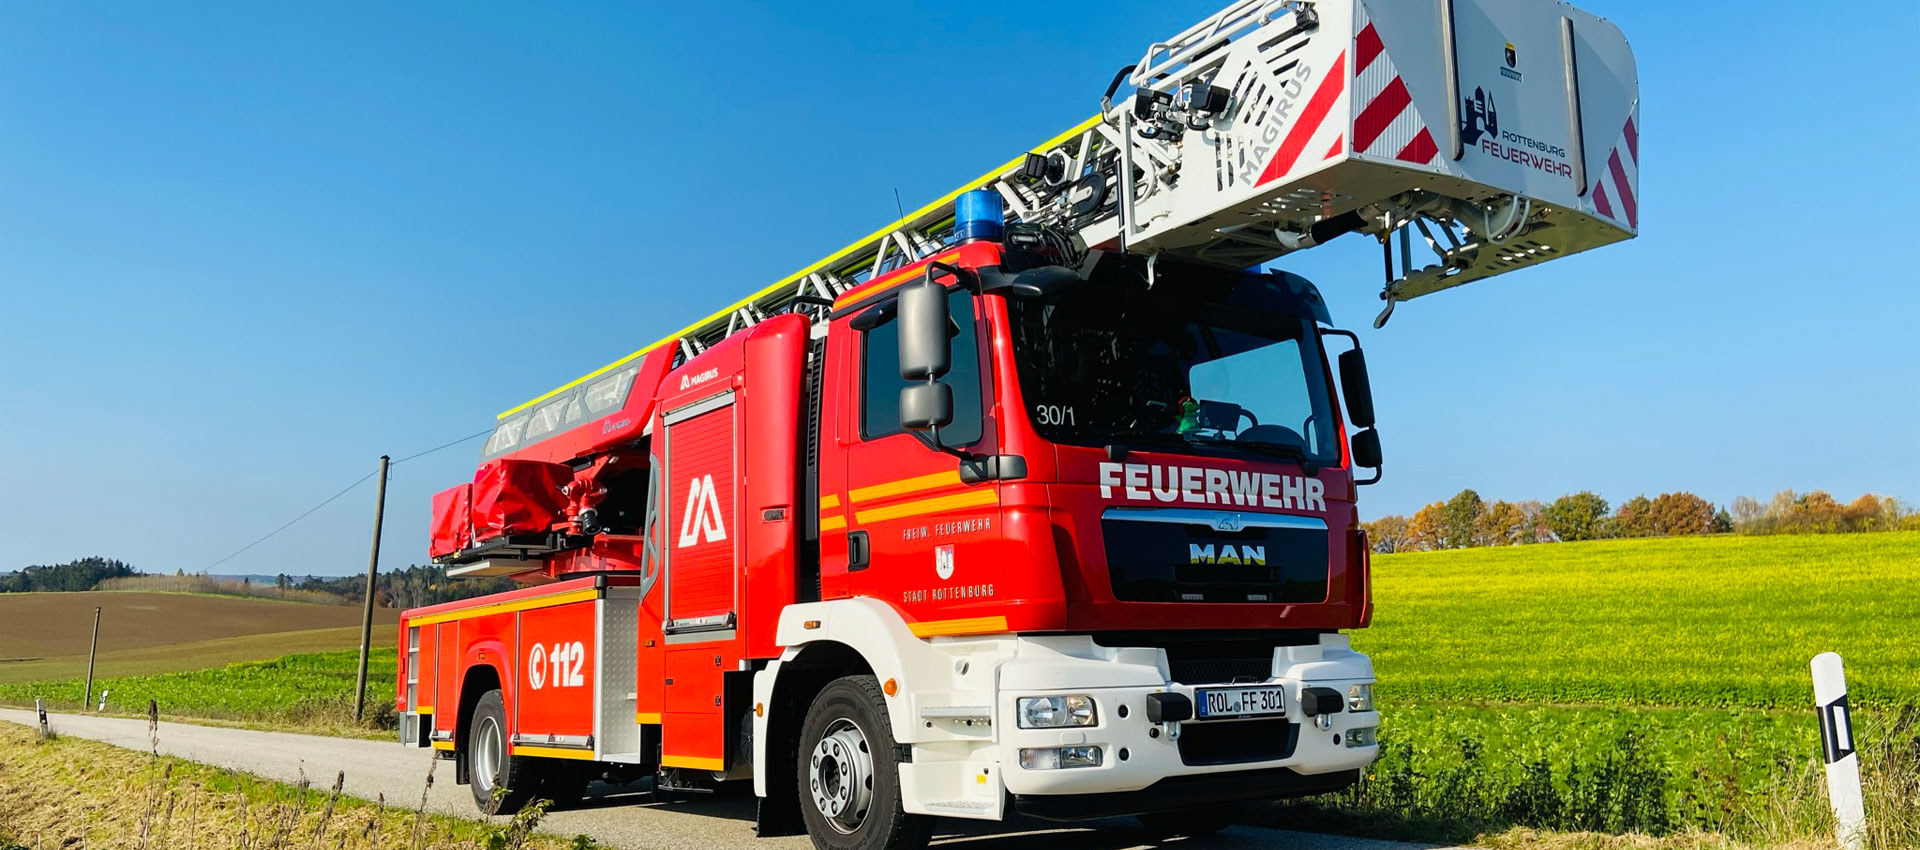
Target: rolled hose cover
[518, 497]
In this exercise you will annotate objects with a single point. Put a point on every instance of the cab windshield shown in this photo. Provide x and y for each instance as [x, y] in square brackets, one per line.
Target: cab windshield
[1210, 363]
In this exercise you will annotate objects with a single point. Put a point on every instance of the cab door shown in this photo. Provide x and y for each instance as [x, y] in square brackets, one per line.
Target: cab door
[908, 518]
[701, 532]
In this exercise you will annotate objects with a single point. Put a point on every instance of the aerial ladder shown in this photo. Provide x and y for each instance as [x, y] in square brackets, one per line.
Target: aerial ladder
[1470, 138]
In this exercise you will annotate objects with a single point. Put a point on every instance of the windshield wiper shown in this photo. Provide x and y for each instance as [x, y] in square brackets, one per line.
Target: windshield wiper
[1295, 453]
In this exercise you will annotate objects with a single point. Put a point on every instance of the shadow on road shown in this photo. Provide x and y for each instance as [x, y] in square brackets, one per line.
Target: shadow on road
[1017, 833]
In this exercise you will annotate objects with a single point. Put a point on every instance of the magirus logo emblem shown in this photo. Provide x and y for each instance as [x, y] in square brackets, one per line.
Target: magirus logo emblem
[702, 517]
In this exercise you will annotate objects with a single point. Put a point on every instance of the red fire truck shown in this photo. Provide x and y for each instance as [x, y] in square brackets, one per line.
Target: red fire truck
[1042, 498]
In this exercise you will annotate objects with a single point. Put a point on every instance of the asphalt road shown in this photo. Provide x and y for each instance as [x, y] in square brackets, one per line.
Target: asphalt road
[625, 817]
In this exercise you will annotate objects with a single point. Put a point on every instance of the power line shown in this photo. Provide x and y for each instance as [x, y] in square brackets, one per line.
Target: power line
[289, 523]
[343, 491]
[446, 445]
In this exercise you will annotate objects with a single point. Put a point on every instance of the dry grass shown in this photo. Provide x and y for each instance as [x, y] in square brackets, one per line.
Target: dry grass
[76, 793]
[45, 635]
[194, 655]
[1522, 838]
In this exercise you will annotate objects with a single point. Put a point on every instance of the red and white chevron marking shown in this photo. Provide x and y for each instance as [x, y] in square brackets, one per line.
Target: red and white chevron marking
[1386, 124]
[1613, 190]
[1311, 127]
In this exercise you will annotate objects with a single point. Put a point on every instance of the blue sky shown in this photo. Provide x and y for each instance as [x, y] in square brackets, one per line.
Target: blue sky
[247, 248]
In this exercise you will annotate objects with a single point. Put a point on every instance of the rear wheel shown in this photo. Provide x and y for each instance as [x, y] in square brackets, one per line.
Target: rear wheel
[502, 784]
[849, 782]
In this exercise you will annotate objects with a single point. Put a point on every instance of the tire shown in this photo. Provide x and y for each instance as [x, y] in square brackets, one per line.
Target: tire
[489, 766]
[1190, 822]
[849, 784]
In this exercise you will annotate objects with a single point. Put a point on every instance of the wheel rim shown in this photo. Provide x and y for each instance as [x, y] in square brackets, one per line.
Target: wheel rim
[840, 776]
[486, 753]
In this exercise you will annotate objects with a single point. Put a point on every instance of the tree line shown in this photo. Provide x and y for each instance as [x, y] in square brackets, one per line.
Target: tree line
[82, 574]
[1466, 520]
[409, 587]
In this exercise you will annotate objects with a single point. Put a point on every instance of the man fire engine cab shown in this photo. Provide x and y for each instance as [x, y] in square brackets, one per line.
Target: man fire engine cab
[1041, 500]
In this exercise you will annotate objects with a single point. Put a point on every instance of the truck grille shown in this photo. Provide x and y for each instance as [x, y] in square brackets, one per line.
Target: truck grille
[1237, 741]
[1175, 555]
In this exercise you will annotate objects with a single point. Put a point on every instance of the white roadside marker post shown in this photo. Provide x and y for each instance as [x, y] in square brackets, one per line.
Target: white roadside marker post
[1837, 746]
[103, 699]
[40, 707]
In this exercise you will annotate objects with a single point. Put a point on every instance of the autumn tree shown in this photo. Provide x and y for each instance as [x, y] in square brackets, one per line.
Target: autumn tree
[1635, 518]
[1577, 516]
[1680, 513]
[1427, 530]
[1388, 534]
[1503, 524]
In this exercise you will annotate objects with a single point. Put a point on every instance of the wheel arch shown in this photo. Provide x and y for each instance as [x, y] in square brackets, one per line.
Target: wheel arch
[824, 641]
[479, 678]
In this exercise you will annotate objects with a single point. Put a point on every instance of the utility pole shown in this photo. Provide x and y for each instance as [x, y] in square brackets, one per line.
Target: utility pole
[373, 570]
[92, 648]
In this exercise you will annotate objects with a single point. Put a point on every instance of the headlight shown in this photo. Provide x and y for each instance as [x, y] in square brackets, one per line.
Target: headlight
[1055, 712]
[1360, 698]
[1056, 758]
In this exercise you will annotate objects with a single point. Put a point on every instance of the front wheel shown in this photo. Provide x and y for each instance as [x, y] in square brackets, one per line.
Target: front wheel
[502, 784]
[849, 782]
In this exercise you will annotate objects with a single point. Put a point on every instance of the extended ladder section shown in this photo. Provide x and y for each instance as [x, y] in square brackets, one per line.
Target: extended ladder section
[1469, 137]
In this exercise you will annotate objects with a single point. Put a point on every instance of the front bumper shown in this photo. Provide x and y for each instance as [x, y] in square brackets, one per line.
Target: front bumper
[1150, 766]
[1184, 792]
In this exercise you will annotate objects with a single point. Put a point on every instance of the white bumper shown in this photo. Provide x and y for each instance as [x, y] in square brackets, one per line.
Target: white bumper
[1137, 752]
[953, 703]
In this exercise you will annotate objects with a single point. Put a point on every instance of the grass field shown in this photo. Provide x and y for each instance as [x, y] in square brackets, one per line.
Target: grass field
[1520, 684]
[75, 793]
[1692, 621]
[310, 692]
[43, 636]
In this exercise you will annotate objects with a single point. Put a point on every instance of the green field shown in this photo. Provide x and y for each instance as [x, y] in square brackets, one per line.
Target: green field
[294, 689]
[1690, 621]
[1651, 685]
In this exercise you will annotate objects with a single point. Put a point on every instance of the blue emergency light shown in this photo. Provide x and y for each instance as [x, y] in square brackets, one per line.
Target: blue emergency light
[978, 215]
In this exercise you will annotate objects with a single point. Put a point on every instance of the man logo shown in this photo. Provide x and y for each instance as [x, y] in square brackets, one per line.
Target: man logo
[1246, 554]
[943, 561]
[703, 514]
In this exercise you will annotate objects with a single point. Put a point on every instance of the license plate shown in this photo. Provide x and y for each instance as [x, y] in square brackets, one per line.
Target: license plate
[1239, 702]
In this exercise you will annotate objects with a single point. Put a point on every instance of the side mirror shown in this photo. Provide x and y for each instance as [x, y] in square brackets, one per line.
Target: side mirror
[926, 347]
[1366, 452]
[926, 406]
[1353, 379]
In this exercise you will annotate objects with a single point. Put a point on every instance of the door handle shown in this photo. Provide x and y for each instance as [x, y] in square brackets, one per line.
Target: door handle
[859, 551]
